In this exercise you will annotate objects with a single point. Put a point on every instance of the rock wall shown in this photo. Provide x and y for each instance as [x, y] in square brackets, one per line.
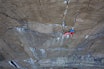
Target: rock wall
[45, 17]
[16, 12]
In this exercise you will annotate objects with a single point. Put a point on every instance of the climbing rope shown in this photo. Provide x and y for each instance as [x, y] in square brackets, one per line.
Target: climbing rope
[64, 14]
[66, 9]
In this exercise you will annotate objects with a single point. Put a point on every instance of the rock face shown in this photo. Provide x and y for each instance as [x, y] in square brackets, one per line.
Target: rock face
[14, 12]
[38, 22]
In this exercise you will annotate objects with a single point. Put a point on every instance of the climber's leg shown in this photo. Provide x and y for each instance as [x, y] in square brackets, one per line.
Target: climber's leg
[71, 34]
[67, 33]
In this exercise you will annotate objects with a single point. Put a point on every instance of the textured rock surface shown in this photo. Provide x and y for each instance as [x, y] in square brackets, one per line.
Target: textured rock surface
[44, 17]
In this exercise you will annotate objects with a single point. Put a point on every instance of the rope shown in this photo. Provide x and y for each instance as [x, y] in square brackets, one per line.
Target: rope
[64, 14]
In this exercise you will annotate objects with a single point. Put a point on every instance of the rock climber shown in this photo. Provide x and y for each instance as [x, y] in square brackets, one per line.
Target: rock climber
[70, 32]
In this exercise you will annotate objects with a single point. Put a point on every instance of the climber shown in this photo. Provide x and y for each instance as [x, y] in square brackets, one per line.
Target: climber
[70, 32]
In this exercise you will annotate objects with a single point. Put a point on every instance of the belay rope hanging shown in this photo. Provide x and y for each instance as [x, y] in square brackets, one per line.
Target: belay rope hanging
[64, 14]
